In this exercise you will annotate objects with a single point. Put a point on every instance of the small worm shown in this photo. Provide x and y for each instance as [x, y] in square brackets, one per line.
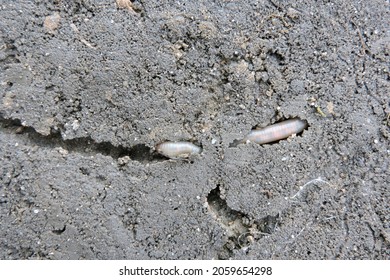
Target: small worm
[276, 131]
[177, 150]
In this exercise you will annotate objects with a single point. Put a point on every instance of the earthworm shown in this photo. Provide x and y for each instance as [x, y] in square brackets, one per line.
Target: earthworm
[179, 149]
[276, 131]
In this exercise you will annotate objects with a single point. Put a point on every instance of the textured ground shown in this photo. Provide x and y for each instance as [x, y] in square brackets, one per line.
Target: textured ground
[89, 87]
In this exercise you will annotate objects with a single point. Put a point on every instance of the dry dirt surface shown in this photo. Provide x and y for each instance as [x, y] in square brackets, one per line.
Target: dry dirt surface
[88, 88]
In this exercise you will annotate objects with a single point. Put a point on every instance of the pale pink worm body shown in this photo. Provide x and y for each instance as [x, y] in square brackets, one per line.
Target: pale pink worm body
[180, 149]
[276, 131]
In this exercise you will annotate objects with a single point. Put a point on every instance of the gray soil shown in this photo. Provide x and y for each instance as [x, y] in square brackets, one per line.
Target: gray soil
[89, 87]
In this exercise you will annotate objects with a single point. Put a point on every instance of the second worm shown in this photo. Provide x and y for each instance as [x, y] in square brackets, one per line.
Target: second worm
[276, 131]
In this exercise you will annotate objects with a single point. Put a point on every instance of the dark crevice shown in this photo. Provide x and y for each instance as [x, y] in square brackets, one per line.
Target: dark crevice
[276, 58]
[59, 231]
[241, 229]
[143, 153]
[83, 145]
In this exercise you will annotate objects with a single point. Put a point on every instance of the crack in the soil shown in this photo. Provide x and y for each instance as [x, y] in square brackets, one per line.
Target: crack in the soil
[84, 145]
[241, 229]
